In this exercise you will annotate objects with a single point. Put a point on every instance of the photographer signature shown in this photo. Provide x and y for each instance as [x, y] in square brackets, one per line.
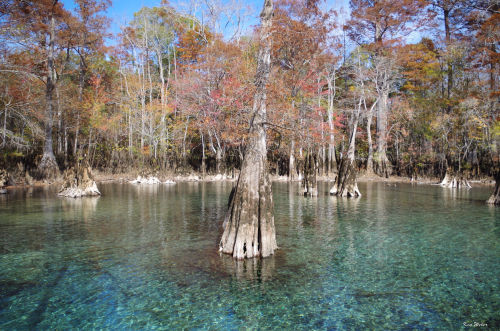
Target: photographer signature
[474, 324]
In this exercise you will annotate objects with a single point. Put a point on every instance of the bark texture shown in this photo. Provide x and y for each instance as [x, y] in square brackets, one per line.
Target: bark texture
[495, 197]
[4, 179]
[332, 160]
[249, 225]
[47, 168]
[346, 184]
[309, 181]
[369, 162]
[454, 180]
[381, 163]
[292, 172]
[79, 182]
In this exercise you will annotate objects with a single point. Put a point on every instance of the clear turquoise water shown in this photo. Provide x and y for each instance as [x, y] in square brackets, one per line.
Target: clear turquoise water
[401, 257]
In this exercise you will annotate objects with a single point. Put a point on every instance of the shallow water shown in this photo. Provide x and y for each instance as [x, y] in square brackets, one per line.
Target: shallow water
[145, 257]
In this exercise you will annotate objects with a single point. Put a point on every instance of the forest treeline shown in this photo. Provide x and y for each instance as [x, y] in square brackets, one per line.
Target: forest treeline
[406, 88]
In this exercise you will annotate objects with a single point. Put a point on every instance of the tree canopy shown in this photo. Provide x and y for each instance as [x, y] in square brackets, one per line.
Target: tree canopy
[174, 94]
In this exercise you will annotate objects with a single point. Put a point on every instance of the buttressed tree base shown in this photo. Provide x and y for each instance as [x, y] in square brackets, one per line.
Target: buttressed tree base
[249, 227]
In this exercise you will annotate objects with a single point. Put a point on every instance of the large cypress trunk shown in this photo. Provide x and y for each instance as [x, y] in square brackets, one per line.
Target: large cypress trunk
[249, 225]
[495, 197]
[47, 168]
[346, 184]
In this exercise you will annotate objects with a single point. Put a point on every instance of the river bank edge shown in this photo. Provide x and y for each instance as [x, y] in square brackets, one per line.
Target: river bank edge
[105, 177]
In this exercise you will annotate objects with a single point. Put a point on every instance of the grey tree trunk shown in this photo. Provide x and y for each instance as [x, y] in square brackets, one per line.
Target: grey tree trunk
[218, 160]
[4, 180]
[322, 161]
[47, 168]
[203, 156]
[81, 83]
[449, 64]
[292, 173]
[346, 184]
[309, 182]
[495, 197]
[249, 225]
[332, 160]
[369, 162]
[382, 165]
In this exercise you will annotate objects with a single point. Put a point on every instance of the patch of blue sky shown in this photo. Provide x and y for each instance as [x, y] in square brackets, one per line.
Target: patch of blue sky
[232, 18]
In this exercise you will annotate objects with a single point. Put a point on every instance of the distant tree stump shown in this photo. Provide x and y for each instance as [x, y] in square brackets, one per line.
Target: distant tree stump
[309, 182]
[4, 179]
[79, 182]
[454, 180]
[495, 197]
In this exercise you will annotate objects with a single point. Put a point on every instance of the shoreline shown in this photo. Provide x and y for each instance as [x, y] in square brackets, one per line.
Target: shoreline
[103, 177]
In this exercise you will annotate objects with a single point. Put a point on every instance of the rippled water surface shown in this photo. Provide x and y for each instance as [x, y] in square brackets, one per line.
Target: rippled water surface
[145, 257]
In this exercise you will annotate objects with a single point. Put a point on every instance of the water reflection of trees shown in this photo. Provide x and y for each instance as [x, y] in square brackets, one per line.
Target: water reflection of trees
[79, 208]
[450, 195]
[249, 269]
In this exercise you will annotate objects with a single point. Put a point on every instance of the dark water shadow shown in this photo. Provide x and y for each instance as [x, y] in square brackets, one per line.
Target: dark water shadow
[37, 315]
